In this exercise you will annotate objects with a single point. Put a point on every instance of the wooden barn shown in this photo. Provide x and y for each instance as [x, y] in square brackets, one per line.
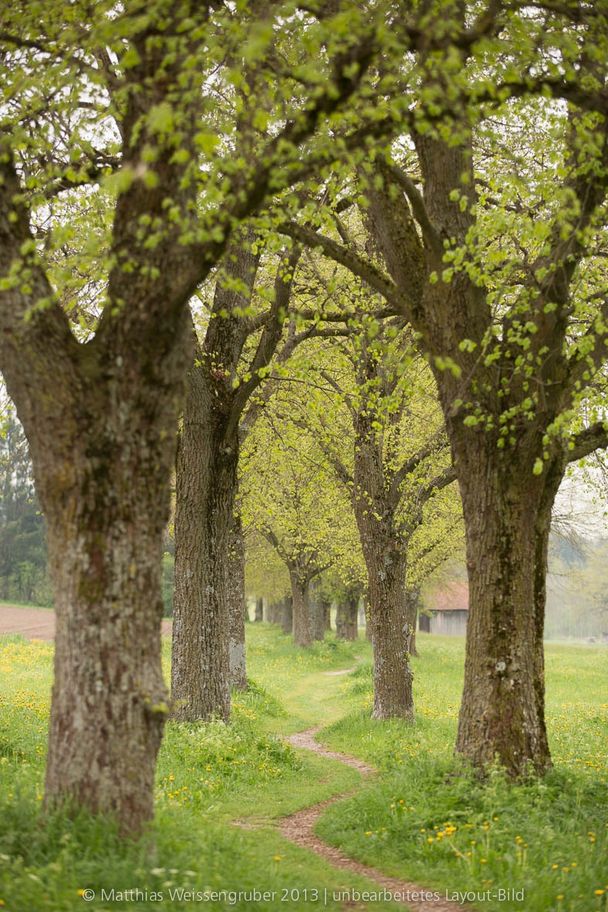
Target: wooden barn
[446, 610]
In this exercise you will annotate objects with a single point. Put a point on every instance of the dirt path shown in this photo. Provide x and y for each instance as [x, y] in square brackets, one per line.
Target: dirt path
[299, 829]
[37, 623]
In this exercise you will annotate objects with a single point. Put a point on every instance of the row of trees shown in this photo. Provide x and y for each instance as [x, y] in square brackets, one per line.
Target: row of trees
[451, 159]
[23, 571]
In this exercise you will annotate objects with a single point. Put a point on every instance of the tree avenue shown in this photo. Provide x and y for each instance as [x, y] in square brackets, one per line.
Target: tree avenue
[377, 422]
[489, 216]
[454, 158]
[116, 121]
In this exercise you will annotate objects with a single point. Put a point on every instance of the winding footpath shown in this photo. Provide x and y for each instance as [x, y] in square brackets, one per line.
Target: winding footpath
[299, 829]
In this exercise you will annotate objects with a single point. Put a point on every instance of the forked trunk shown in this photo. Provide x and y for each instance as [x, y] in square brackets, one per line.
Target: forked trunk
[235, 588]
[300, 591]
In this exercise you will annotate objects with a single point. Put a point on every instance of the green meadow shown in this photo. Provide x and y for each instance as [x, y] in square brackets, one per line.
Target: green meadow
[221, 790]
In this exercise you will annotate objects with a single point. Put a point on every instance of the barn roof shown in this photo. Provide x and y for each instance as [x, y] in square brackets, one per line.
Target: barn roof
[454, 596]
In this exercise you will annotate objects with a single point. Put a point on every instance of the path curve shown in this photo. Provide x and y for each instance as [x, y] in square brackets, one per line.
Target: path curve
[299, 829]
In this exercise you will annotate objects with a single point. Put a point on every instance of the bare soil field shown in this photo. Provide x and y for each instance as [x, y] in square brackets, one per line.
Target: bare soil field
[37, 623]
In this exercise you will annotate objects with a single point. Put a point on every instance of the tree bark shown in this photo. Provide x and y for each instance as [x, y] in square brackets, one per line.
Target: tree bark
[346, 619]
[235, 587]
[300, 591]
[507, 520]
[259, 610]
[385, 554]
[206, 483]
[109, 698]
[393, 696]
[368, 624]
[102, 467]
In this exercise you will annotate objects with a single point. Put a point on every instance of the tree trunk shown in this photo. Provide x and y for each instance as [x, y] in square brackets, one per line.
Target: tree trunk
[206, 483]
[412, 600]
[102, 474]
[319, 611]
[287, 617]
[346, 619]
[237, 607]
[393, 696]
[102, 446]
[274, 612]
[507, 522]
[300, 591]
[109, 699]
[259, 610]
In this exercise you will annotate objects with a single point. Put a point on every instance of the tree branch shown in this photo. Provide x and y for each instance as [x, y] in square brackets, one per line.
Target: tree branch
[595, 437]
[429, 232]
[350, 259]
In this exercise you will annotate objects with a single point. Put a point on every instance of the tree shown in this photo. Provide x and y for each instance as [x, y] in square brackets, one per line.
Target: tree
[390, 422]
[492, 242]
[208, 627]
[119, 115]
[293, 501]
[22, 537]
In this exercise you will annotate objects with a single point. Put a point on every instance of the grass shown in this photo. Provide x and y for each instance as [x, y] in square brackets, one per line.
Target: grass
[208, 777]
[428, 818]
[423, 818]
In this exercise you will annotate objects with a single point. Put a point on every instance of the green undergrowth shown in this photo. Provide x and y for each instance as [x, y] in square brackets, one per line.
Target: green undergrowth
[219, 791]
[427, 817]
